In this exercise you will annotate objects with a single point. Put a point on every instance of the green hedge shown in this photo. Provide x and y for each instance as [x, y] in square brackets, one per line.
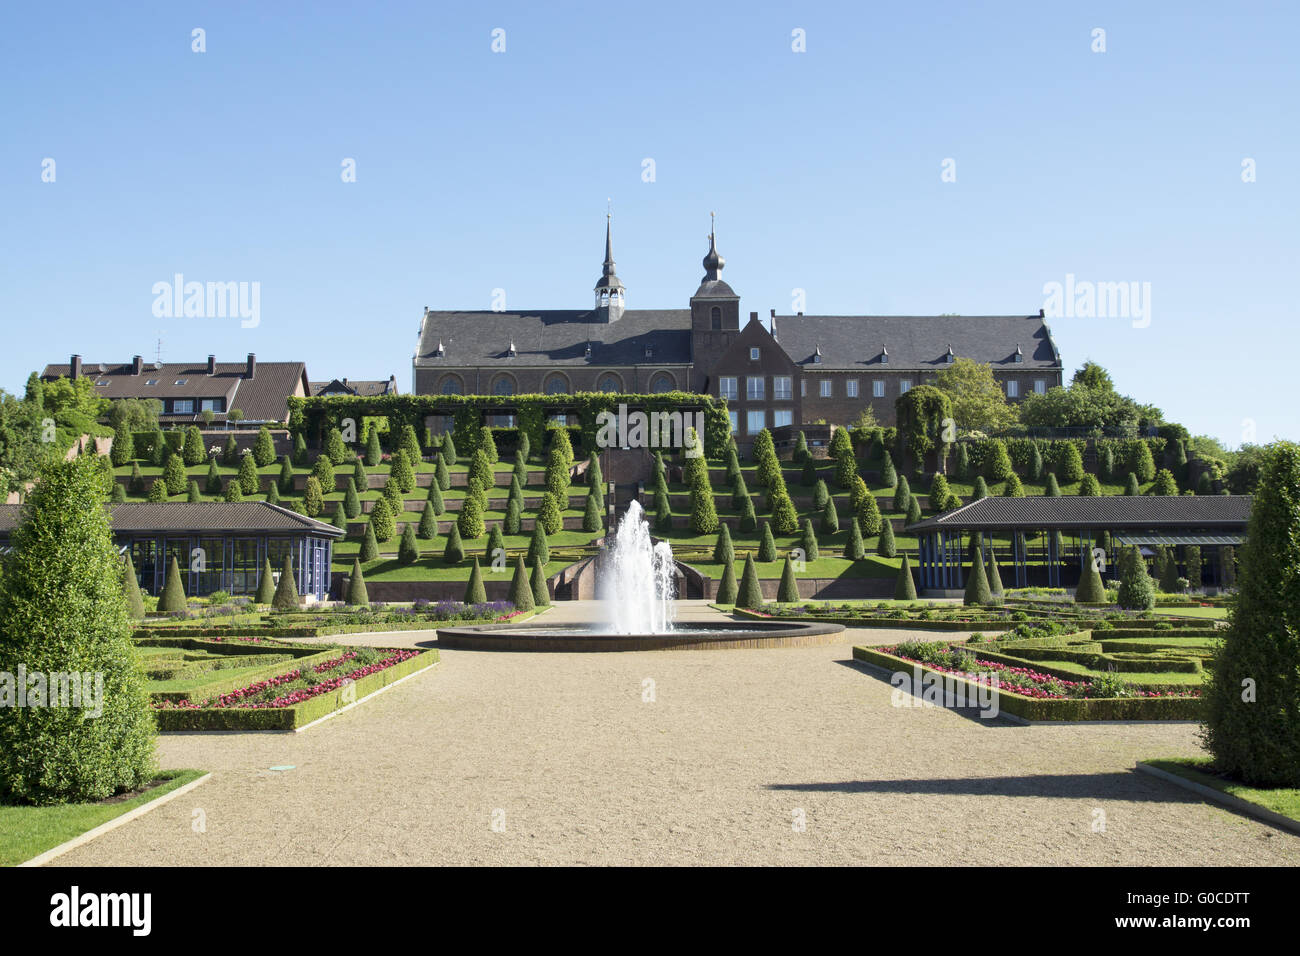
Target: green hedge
[1031, 708]
[216, 688]
[898, 623]
[289, 718]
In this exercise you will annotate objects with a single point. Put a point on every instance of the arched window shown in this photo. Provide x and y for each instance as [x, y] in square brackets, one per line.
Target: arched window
[715, 318]
[505, 385]
[663, 382]
[609, 383]
[557, 385]
[451, 385]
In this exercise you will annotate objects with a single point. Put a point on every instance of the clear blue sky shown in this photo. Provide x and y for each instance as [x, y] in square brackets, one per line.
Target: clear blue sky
[479, 170]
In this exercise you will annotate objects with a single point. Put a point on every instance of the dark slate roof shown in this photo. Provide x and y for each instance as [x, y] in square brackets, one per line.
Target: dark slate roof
[204, 516]
[916, 341]
[1114, 512]
[262, 398]
[714, 289]
[352, 386]
[554, 337]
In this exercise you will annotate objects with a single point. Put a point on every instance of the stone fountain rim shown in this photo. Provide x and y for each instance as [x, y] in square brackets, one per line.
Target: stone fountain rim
[745, 635]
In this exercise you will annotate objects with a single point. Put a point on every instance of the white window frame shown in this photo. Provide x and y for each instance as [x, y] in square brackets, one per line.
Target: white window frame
[729, 387]
[904, 386]
[878, 388]
[782, 388]
[851, 387]
[177, 408]
[1013, 388]
[761, 414]
[754, 353]
[779, 413]
[756, 388]
[824, 389]
[1040, 386]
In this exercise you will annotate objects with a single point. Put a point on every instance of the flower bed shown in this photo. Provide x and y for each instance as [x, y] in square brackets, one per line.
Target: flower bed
[422, 615]
[295, 698]
[1038, 694]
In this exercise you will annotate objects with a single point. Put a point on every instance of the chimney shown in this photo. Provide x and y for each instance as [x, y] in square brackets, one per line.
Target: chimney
[252, 366]
[76, 367]
[753, 316]
[212, 365]
[137, 365]
[1042, 314]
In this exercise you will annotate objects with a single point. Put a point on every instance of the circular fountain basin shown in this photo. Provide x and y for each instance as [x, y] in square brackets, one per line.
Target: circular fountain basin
[690, 637]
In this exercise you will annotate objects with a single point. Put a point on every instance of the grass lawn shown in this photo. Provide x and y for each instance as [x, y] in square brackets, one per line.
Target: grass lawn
[26, 831]
[1283, 800]
[872, 567]
[1208, 613]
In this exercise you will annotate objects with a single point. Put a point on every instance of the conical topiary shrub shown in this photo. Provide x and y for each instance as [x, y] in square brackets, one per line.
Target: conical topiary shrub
[265, 584]
[454, 552]
[131, 590]
[286, 589]
[726, 593]
[994, 575]
[541, 593]
[808, 541]
[830, 519]
[767, 544]
[521, 589]
[977, 582]
[538, 549]
[172, 598]
[788, 590]
[1255, 737]
[475, 592]
[408, 551]
[61, 610]
[885, 546]
[904, 586]
[723, 550]
[1090, 589]
[750, 594]
[855, 550]
[357, 595]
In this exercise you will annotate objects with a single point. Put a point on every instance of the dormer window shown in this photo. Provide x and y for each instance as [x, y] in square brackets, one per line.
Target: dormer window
[152, 381]
[649, 352]
[884, 355]
[511, 350]
[181, 381]
[1019, 356]
[753, 354]
[949, 358]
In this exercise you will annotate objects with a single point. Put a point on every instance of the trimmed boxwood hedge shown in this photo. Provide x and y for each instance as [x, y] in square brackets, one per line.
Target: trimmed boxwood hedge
[1031, 708]
[899, 623]
[289, 718]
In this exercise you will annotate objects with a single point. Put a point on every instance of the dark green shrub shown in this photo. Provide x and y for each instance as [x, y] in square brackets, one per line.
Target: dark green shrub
[549, 515]
[726, 593]
[1090, 589]
[830, 519]
[249, 483]
[435, 499]
[286, 589]
[1053, 490]
[541, 593]
[767, 544]
[1164, 483]
[334, 447]
[357, 596]
[158, 490]
[903, 494]
[266, 584]
[904, 587]
[470, 519]
[448, 449]
[312, 499]
[739, 492]
[428, 529]
[1089, 487]
[194, 452]
[913, 511]
[538, 548]
[299, 450]
[1252, 719]
[1131, 485]
[408, 552]
[977, 583]
[351, 500]
[475, 592]
[704, 516]
[369, 546]
[382, 521]
[174, 475]
[855, 550]
[885, 547]
[454, 552]
[521, 589]
[821, 495]
[723, 550]
[401, 472]
[808, 541]
[994, 575]
[263, 448]
[787, 591]
[888, 476]
[1137, 592]
[62, 608]
[191, 491]
[750, 593]
[119, 492]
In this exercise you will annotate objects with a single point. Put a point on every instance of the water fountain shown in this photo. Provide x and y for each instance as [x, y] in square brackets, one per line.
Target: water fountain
[637, 579]
[636, 586]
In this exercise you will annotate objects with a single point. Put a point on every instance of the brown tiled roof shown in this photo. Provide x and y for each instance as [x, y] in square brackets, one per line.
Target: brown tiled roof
[263, 398]
[1144, 512]
[196, 516]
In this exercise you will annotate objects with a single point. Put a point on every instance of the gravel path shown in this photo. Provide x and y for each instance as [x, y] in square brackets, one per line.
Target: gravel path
[735, 748]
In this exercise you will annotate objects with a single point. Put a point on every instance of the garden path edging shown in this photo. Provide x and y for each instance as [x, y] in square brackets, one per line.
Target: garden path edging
[1227, 800]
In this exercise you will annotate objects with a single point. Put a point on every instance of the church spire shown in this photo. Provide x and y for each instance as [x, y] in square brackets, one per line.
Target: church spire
[609, 288]
[713, 262]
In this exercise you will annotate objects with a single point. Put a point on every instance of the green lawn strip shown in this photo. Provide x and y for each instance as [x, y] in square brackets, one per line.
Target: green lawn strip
[297, 715]
[1284, 801]
[27, 831]
[1207, 613]
[774, 611]
[430, 567]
